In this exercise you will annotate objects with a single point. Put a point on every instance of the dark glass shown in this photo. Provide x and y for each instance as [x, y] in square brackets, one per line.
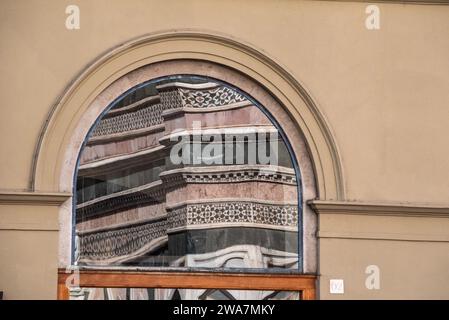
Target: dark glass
[190, 173]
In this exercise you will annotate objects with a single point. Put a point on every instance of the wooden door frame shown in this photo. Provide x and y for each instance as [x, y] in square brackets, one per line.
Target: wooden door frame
[109, 278]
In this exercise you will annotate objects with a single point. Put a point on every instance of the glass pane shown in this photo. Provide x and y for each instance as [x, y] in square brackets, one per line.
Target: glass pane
[179, 294]
[186, 172]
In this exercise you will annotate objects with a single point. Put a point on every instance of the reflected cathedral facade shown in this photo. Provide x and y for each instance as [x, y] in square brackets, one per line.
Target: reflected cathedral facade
[186, 172]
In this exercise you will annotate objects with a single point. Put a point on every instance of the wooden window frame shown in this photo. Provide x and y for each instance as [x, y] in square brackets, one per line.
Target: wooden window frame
[305, 284]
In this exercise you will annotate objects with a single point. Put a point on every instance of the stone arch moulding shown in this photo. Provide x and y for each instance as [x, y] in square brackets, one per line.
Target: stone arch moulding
[58, 146]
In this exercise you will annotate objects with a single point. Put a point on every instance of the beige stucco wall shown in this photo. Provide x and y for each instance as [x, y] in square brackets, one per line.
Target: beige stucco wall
[28, 251]
[384, 94]
[411, 253]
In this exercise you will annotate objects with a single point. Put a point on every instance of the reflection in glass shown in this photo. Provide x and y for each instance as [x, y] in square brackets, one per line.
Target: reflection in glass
[179, 294]
[187, 172]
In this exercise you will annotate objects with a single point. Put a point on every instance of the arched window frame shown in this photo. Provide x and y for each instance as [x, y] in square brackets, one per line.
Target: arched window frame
[62, 134]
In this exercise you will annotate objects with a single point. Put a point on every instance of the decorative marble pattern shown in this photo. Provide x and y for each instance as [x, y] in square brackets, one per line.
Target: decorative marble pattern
[119, 202]
[247, 175]
[234, 212]
[210, 98]
[143, 118]
[244, 175]
[120, 242]
[117, 242]
[170, 99]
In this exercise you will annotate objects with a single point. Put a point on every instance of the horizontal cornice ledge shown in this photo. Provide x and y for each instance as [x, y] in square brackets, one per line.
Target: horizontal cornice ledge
[171, 113]
[379, 208]
[33, 198]
[126, 135]
[402, 2]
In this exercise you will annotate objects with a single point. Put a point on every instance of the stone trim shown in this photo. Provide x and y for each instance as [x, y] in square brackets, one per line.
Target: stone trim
[125, 135]
[122, 241]
[147, 194]
[170, 113]
[132, 107]
[235, 130]
[196, 86]
[210, 226]
[380, 236]
[153, 244]
[383, 209]
[227, 200]
[115, 161]
[122, 225]
[402, 2]
[33, 198]
[229, 174]
[145, 187]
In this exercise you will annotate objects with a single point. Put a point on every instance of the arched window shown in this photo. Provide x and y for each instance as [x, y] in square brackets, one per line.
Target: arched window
[188, 173]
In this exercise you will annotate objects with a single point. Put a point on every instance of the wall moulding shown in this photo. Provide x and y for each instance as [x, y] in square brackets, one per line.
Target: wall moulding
[380, 209]
[382, 221]
[33, 198]
[52, 169]
[421, 2]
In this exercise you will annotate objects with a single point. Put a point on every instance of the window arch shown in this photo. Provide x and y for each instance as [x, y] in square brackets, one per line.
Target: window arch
[241, 83]
[186, 171]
